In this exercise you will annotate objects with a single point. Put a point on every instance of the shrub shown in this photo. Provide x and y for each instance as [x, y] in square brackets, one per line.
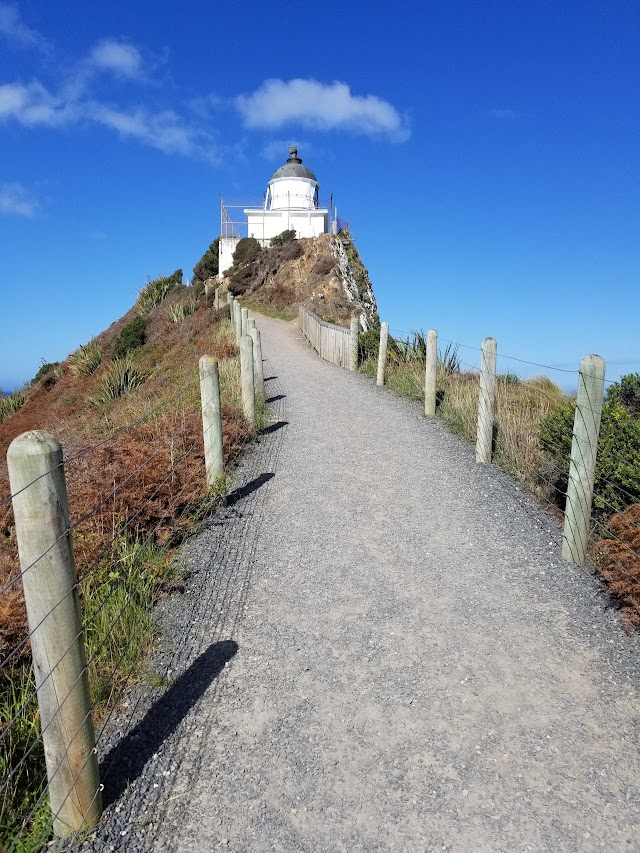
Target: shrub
[86, 359]
[284, 237]
[131, 337]
[618, 461]
[241, 280]
[208, 265]
[121, 377]
[619, 563]
[368, 345]
[153, 293]
[247, 250]
[290, 251]
[324, 265]
[45, 367]
[627, 393]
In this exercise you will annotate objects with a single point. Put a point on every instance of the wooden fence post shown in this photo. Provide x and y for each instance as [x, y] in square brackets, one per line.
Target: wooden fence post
[258, 369]
[353, 343]
[382, 353]
[238, 321]
[582, 467]
[230, 301]
[36, 476]
[216, 299]
[430, 373]
[486, 401]
[248, 385]
[245, 319]
[211, 419]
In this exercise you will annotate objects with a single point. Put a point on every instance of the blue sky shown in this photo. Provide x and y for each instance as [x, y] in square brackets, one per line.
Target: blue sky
[486, 156]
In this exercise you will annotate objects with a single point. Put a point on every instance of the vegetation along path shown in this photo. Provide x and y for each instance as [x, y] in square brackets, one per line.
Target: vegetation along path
[416, 669]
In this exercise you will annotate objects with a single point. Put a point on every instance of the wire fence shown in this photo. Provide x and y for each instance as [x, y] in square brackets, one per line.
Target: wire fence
[578, 453]
[93, 548]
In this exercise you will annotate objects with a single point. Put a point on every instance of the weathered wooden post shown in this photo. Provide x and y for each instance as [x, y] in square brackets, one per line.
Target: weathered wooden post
[245, 319]
[230, 301]
[353, 343]
[258, 370]
[238, 320]
[430, 373]
[382, 353]
[216, 299]
[486, 401]
[582, 467]
[248, 385]
[49, 579]
[211, 419]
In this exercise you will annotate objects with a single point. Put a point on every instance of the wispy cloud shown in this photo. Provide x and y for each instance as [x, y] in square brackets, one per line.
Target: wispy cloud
[13, 28]
[321, 106]
[32, 105]
[277, 149]
[504, 114]
[16, 201]
[119, 57]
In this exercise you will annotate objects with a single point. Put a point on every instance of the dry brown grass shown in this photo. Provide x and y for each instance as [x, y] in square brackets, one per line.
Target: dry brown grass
[155, 468]
[618, 558]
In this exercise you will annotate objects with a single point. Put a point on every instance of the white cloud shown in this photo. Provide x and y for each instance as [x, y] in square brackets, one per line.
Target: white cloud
[277, 149]
[321, 106]
[119, 57]
[16, 201]
[17, 32]
[32, 105]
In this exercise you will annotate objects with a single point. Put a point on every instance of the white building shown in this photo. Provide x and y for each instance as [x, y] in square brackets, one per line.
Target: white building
[290, 203]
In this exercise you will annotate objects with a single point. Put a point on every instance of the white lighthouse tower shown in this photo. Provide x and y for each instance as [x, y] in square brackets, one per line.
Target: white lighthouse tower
[290, 203]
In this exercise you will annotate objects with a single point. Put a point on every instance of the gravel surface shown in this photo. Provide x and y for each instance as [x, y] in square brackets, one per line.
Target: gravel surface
[379, 649]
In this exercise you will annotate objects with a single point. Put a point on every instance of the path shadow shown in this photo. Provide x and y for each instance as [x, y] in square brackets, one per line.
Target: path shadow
[274, 427]
[269, 378]
[276, 397]
[252, 486]
[125, 761]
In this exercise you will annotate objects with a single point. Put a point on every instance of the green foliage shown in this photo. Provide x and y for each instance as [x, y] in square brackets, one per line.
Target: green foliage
[208, 265]
[86, 359]
[177, 313]
[283, 237]
[247, 251]
[508, 379]
[45, 368]
[131, 337]
[627, 393]
[368, 345]
[12, 403]
[121, 377]
[618, 461]
[448, 359]
[154, 292]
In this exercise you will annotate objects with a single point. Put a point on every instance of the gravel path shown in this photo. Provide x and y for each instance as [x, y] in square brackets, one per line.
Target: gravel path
[380, 649]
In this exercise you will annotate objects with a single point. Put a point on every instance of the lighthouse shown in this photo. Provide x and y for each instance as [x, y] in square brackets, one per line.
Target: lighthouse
[291, 203]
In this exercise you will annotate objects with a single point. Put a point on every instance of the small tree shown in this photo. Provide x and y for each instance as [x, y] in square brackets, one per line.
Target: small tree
[284, 237]
[247, 250]
[208, 265]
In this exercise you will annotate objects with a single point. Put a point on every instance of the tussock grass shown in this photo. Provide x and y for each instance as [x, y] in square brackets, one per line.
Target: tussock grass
[12, 403]
[177, 313]
[121, 377]
[86, 359]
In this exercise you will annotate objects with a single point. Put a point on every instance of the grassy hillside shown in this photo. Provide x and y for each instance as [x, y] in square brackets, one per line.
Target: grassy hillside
[126, 409]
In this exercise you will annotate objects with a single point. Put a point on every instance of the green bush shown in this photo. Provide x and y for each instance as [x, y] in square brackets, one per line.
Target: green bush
[627, 393]
[208, 265]
[368, 345]
[12, 403]
[618, 461]
[46, 367]
[283, 237]
[247, 250]
[131, 337]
